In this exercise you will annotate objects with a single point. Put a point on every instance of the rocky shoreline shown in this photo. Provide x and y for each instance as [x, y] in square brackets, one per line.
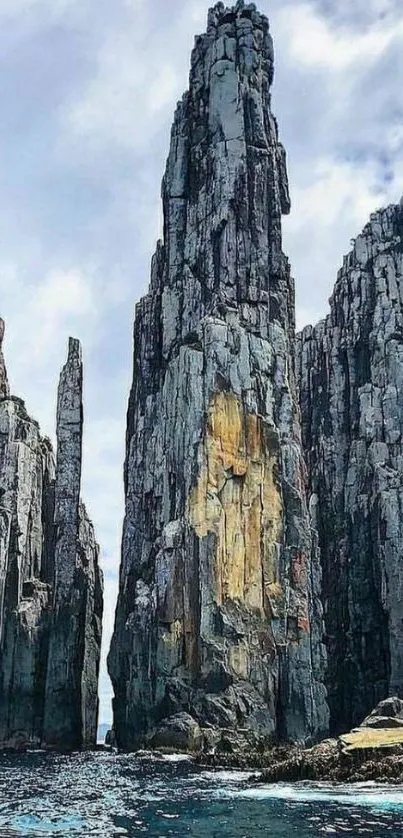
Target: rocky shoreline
[325, 762]
[371, 752]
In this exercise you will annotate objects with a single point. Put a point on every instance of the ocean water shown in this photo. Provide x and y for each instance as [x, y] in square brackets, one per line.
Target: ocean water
[105, 795]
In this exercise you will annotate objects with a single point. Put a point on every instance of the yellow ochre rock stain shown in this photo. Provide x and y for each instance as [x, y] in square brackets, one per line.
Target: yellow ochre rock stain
[237, 497]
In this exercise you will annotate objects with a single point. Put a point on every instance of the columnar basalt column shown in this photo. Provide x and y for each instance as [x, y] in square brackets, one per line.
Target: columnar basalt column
[218, 612]
[69, 718]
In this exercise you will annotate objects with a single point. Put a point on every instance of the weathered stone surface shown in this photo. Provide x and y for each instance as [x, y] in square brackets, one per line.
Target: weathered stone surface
[388, 713]
[180, 732]
[71, 706]
[39, 508]
[383, 728]
[363, 754]
[110, 738]
[332, 762]
[218, 612]
[351, 374]
[4, 386]
[382, 722]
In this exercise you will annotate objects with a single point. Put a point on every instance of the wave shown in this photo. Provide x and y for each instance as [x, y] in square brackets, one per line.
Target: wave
[372, 795]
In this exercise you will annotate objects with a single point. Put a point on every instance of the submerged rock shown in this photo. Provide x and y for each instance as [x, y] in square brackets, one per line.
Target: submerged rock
[50, 582]
[219, 613]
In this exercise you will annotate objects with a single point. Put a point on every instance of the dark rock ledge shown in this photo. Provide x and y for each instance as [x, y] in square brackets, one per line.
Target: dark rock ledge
[373, 751]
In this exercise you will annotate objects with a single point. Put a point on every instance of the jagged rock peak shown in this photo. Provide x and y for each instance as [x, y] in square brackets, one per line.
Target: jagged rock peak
[243, 16]
[225, 189]
[71, 698]
[4, 386]
[351, 383]
[50, 581]
[74, 355]
[220, 14]
[69, 430]
[218, 614]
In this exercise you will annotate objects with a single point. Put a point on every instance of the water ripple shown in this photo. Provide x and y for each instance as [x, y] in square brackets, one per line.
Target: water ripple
[104, 795]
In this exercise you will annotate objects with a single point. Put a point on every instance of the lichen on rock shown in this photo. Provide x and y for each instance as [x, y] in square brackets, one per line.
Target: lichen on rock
[238, 498]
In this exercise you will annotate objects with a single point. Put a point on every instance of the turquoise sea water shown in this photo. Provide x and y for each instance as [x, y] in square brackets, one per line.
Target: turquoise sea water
[105, 795]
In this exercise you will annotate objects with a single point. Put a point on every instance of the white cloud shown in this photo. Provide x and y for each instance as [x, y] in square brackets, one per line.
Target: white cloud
[141, 70]
[121, 101]
[337, 99]
[61, 295]
[162, 89]
[32, 11]
[326, 215]
[314, 42]
[43, 311]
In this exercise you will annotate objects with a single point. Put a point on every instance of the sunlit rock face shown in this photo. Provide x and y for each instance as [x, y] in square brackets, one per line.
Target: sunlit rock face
[50, 582]
[218, 613]
[351, 373]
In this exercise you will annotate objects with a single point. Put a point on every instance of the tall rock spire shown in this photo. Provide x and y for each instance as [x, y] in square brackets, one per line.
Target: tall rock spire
[69, 718]
[50, 582]
[69, 434]
[218, 613]
[4, 386]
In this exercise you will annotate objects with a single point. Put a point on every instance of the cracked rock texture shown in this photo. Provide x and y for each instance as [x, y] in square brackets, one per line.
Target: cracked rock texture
[351, 376]
[219, 613]
[50, 582]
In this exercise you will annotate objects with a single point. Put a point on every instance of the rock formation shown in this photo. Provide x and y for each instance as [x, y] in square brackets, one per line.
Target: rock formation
[351, 374]
[371, 752]
[219, 613]
[4, 386]
[50, 582]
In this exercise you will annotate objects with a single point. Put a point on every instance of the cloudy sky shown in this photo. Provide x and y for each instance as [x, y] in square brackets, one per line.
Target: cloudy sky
[87, 94]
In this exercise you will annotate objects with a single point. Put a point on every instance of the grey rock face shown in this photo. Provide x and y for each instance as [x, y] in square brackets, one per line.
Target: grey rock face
[4, 386]
[388, 713]
[351, 373]
[50, 584]
[218, 612]
[180, 732]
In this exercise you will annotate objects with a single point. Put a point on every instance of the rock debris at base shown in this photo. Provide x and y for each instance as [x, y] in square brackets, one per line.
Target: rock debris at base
[363, 755]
